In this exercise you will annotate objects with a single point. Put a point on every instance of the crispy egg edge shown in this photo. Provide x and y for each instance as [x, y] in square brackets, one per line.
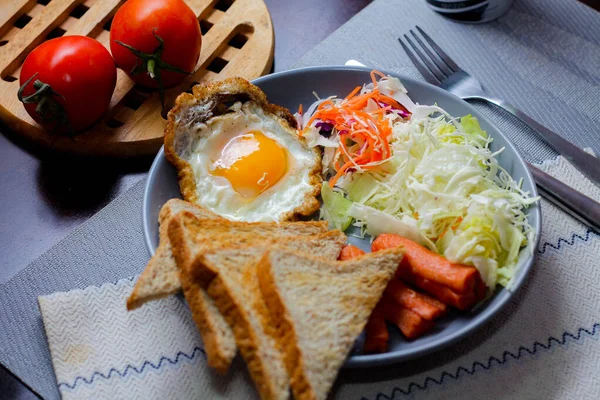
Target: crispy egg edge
[205, 99]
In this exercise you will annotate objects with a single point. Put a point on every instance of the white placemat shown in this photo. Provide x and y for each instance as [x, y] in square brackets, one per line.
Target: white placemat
[543, 345]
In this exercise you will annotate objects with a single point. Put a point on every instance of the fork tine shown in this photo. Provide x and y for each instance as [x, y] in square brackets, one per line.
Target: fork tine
[431, 66]
[436, 60]
[429, 77]
[449, 62]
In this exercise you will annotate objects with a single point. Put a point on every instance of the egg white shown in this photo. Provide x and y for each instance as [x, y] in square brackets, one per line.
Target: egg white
[217, 194]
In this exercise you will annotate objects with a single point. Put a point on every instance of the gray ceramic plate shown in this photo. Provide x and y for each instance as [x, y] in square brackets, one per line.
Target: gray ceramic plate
[291, 88]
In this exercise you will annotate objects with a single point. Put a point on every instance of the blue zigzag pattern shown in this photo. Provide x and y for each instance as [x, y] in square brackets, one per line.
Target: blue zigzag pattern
[491, 362]
[570, 242]
[138, 370]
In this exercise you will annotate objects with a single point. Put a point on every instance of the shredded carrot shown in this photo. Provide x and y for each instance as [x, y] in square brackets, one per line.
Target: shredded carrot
[453, 227]
[373, 79]
[300, 109]
[326, 103]
[364, 135]
[352, 93]
[441, 235]
[457, 223]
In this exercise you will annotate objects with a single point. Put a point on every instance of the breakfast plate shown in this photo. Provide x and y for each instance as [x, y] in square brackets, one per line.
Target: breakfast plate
[291, 88]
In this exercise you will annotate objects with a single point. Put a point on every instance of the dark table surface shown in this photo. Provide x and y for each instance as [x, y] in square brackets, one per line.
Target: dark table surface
[44, 196]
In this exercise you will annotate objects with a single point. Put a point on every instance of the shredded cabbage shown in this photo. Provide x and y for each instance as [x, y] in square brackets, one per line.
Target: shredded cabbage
[443, 188]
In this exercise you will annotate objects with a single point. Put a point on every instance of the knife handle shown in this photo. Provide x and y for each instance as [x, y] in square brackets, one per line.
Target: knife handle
[574, 203]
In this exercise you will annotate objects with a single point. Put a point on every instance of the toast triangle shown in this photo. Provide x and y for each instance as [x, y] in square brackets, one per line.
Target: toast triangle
[319, 308]
[236, 294]
[194, 238]
[232, 292]
[160, 278]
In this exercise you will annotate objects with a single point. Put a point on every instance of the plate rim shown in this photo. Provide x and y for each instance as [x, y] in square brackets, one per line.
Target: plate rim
[491, 310]
[145, 203]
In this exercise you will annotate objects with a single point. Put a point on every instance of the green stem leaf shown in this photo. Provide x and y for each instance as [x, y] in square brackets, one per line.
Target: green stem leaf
[47, 106]
[153, 64]
[150, 65]
[153, 61]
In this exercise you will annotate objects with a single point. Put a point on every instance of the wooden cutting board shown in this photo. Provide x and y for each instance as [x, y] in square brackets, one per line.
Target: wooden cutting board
[237, 41]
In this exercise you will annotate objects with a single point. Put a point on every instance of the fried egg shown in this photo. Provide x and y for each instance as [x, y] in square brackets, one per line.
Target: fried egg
[247, 163]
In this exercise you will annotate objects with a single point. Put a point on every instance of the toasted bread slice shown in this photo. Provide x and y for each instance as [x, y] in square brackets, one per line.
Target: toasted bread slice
[231, 253]
[175, 206]
[319, 308]
[235, 290]
[160, 278]
[187, 230]
[217, 336]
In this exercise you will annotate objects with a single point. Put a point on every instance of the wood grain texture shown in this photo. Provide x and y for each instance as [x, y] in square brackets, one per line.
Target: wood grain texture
[238, 40]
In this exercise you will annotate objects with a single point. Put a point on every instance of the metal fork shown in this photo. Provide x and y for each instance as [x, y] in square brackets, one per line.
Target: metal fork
[440, 70]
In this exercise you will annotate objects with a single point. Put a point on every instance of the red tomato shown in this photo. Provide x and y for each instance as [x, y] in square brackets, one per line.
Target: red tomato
[82, 76]
[139, 23]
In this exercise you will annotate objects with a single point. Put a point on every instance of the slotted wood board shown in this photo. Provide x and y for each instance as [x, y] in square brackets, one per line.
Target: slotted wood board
[237, 41]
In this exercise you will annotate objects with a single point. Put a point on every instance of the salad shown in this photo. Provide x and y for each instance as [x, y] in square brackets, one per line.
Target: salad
[414, 170]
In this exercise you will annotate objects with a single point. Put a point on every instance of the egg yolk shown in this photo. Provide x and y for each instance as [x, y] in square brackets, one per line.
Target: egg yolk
[252, 163]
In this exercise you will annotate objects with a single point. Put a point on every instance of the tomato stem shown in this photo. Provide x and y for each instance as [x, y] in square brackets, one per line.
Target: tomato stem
[48, 108]
[153, 64]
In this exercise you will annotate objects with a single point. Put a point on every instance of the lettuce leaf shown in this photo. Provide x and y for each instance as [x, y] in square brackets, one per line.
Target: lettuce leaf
[335, 208]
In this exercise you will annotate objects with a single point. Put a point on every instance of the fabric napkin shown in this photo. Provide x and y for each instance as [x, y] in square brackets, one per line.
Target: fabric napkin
[102, 351]
[543, 345]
